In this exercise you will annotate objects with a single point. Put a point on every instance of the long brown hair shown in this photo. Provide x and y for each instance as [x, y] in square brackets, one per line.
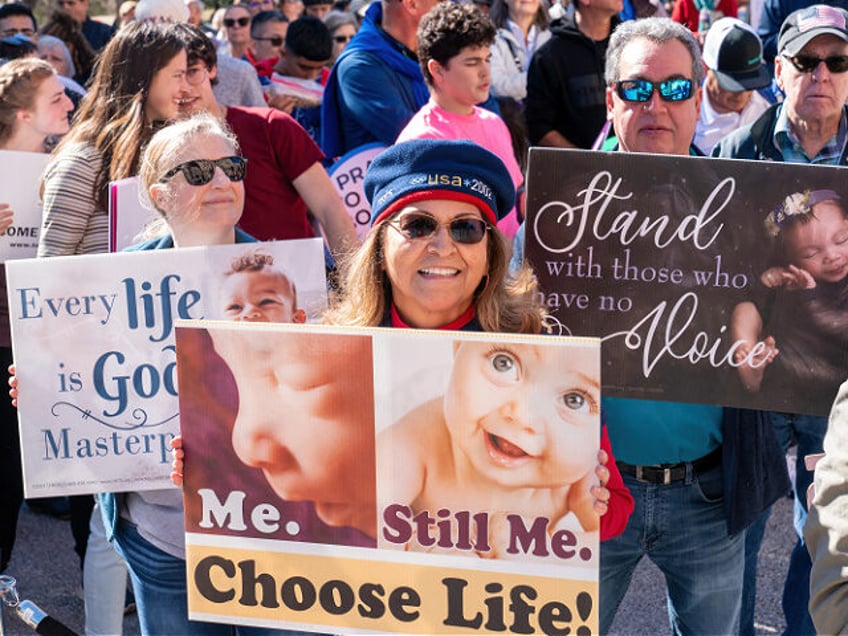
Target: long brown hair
[112, 115]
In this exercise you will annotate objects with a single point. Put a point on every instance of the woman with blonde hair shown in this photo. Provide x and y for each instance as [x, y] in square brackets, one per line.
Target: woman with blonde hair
[193, 176]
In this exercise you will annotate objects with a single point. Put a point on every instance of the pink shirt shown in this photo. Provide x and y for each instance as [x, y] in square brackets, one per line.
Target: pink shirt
[482, 127]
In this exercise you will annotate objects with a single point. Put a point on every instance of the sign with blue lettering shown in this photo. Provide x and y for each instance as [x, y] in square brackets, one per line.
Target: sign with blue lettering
[93, 342]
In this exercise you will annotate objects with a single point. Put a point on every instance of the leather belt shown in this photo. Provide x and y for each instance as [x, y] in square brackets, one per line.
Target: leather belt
[669, 473]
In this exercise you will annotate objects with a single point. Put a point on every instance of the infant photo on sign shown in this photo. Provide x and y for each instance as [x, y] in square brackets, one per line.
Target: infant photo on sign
[490, 448]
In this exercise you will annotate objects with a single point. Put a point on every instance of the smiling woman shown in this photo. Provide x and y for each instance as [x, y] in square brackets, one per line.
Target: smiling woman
[434, 258]
[138, 82]
[193, 175]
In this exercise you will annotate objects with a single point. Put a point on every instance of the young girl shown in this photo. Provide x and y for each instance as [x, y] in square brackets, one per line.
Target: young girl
[137, 85]
[33, 110]
[801, 316]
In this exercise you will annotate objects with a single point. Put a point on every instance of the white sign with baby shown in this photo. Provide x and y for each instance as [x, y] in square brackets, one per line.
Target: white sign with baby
[411, 481]
[93, 342]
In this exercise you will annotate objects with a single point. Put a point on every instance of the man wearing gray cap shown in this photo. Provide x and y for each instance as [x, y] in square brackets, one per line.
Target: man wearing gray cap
[733, 55]
[811, 68]
[811, 127]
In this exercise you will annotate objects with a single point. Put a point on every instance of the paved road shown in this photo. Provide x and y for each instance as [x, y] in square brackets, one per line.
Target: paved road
[46, 568]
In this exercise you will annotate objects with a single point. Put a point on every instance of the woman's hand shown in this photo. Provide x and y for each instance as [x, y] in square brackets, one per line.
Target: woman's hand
[13, 383]
[177, 455]
[589, 500]
[7, 217]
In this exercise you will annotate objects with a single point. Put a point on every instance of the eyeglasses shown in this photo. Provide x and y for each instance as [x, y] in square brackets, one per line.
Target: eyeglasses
[672, 90]
[342, 39]
[231, 22]
[7, 33]
[201, 171]
[275, 40]
[467, 230]
[809, 63]
[196, 76]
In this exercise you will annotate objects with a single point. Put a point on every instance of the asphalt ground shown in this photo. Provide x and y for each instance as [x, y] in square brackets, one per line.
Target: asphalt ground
[45, 565]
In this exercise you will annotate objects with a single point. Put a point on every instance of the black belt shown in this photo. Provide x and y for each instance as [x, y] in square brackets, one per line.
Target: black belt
[668, 473]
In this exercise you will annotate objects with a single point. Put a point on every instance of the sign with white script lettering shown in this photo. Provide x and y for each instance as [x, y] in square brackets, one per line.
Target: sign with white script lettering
[390, 480]
[93, 342]
[710, 281]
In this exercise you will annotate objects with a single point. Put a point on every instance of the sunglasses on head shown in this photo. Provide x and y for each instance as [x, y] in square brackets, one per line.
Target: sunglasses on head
[673, 90]
[467, 230]
[809, 63]
[201, 171]
[275, 40]
[231, 22]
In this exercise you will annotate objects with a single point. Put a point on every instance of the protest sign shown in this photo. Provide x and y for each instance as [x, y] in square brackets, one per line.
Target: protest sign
[20, 180]
[389, 480]
[127, 216]
[93, 344]
[348, 175]
[690, 270]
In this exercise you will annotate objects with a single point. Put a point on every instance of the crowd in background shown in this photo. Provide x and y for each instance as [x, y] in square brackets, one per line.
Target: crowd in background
[294, 85]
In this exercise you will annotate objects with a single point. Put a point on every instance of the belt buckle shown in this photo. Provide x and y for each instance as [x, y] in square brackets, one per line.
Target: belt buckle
[666, 476]
[639, 476]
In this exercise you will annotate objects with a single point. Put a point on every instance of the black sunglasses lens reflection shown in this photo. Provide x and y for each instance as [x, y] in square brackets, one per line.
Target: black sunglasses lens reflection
[809, 63]
[201, 171]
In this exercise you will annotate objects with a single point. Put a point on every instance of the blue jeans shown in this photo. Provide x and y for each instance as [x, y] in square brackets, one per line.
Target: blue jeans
[681, 527]
[159, 584]
[808, 431]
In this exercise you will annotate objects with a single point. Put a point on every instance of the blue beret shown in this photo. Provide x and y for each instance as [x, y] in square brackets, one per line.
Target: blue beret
[424, 169]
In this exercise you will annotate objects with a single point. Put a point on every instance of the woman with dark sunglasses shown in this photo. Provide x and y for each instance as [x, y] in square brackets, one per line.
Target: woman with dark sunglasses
[193, 175]
[434, 259]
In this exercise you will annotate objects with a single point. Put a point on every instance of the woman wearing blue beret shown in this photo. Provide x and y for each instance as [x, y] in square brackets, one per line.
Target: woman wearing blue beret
[434, 259]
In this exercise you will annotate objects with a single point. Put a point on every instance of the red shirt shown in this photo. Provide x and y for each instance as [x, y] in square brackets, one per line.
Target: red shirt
[278, 151]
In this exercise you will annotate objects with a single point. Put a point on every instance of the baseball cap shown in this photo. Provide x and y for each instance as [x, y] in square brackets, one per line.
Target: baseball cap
[734, 53]
[803, 25]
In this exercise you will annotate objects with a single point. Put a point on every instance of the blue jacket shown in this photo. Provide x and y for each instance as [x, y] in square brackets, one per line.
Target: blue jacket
[374, 89]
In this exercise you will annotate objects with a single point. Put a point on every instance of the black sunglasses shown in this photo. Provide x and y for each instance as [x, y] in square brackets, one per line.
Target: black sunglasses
[341, 39]
[672, 90]
[467, 230]
[275, 40]
[809, 63]
[231, 22]
[201, 171]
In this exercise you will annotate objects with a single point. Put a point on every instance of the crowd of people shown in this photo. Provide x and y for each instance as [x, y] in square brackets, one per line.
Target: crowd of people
[231, 126]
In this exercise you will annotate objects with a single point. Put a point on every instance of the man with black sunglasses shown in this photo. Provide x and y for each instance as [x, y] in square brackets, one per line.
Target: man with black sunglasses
[268, 31]
[811, 127]
[669, 454]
